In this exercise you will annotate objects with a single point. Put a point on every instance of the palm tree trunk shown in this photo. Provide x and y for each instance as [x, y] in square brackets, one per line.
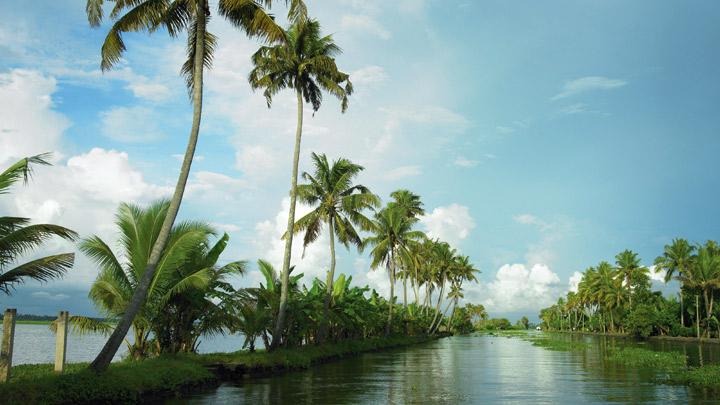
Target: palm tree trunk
[388, 327]
[697, 315]
[416, 288]
[405, 302]
[437, 306]
[708, 310]
[103, 359]
[682, 309]
[328, 283]
[285, 277]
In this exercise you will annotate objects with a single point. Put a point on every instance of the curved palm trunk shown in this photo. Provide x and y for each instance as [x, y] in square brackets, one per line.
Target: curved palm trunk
[437, 306]
[708, 309]
[328, 284]
[285, 277]
[103, 359]
[405, 302]
[452, 315]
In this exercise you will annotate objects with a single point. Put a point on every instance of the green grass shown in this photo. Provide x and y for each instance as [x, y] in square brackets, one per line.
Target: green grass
[33, 322]
[506, 332]
[706, 377]
[131, 382]
[552, 343]
[124, 382]
[645, 358]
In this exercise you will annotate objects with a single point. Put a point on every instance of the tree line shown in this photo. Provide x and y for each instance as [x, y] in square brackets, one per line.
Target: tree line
[617, 298]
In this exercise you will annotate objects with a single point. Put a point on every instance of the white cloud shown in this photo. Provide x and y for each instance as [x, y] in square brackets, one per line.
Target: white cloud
[529, 219]
[368, 75]
[148, 90]
[589, 83]
[131, 124]
[451, 224]
[28, 123]
[462, 161]
[543, 251]
[312, 261]
[364, 23]
[657, 274]
[574, 281]
[402, 172]
[519, 288]
[256, 160]
[48, 296]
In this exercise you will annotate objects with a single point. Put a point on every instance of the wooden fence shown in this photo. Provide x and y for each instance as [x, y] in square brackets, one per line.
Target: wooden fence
[8, 337]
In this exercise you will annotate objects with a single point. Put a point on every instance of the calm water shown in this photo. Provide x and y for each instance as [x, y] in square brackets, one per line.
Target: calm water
[36, 344]
[467, 370]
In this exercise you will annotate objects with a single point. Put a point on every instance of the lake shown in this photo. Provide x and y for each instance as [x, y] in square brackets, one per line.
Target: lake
[36, 344]
[469, 370]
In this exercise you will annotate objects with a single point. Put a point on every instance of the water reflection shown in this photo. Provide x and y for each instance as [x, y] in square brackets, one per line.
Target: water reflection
[466, 370]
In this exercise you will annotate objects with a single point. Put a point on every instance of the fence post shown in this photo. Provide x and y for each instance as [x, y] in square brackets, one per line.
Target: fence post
[6, 351]
[61, 341]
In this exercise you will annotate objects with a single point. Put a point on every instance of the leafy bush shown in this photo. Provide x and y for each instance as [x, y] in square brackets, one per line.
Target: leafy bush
[641, 320]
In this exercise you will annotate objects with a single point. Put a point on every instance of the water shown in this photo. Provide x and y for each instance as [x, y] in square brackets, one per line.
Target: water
[466, 370]
[36, 344]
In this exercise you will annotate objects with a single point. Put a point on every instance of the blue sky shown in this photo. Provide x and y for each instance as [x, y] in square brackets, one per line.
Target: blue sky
[543, 138]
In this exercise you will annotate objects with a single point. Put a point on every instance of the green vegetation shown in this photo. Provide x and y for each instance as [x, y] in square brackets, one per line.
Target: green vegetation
[617, 299]
[646, 358]
[706, 376]
[170, 375]
[18, 237]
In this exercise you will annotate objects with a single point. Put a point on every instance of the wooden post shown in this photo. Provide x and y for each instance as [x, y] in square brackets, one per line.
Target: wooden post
[61, 341]
[6, 350]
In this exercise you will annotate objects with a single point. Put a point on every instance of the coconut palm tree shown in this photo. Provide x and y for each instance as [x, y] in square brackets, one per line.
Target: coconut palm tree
[675, 260]
[18, 237]
[392, 236]
[704, 275]
[306, 64]
[175, 16]
[339, 204]
[187, 264]
[628, 265]
[411, 204]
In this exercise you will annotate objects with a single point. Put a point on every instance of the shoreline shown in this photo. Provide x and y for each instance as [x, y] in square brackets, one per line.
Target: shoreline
[173, 376]
[686, 339]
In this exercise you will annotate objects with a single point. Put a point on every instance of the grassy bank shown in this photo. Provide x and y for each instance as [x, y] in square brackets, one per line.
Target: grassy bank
[130, 382]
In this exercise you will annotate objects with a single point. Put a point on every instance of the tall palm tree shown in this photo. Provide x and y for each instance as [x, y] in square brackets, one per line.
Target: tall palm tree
[339, 204]
[392, 235]
[175, 16]
[18, 237]
[306, 64]
[628, 265]
[411, 204]
[675, 260]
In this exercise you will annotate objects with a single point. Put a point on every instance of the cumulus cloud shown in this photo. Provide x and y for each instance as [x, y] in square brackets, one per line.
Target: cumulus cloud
[574, 281]
[517, 287]
[131, 124]
[364, 24]
[28, 123]
[586, 84]
[312, 261]
[657, 274]
[451, 223]
[256, 160]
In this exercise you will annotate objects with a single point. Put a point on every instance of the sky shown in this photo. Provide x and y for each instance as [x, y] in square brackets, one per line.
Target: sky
[543, 137]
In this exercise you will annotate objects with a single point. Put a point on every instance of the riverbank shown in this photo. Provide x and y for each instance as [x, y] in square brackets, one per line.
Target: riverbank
[689, 339]
[131, 382]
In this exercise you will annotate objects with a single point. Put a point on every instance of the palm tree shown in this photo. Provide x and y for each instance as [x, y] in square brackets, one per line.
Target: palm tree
[305, 63]
[411, 204]
[392, 236]
[18, 237]
[175, 16]
[703, 274]
[339, 204]
[628, 264]
[186, 264]
[676, 260]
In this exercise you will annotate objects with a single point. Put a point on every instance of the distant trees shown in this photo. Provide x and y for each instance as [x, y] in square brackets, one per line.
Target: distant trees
[618, 299]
